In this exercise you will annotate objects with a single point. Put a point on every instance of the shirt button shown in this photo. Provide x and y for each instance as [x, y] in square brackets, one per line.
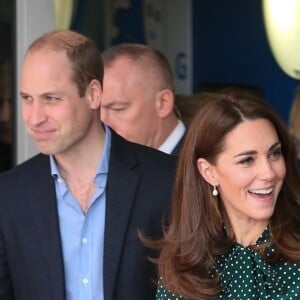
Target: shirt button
[84, 240]
[85, 281]
[60, 180]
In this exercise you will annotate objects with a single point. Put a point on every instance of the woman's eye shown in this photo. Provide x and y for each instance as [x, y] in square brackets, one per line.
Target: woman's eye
[275, 154]
[247, 161]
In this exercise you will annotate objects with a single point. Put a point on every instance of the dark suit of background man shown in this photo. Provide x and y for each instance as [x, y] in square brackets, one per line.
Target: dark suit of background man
[138, 97]
[69, 216]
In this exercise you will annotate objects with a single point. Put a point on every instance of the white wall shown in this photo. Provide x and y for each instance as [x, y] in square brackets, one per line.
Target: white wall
[172, 34]
[33, 17]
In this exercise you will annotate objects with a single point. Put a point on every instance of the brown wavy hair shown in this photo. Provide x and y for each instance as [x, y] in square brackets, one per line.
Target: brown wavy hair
[195, 235]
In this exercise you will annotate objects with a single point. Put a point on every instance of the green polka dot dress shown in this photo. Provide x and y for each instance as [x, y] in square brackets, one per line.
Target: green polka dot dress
[246, 276]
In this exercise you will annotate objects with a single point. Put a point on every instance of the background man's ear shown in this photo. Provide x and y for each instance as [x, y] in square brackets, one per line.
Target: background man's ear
[164, 102]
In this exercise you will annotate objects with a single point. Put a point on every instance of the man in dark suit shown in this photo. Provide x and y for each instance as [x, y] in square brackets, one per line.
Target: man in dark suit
[138, 97]
[70, 216]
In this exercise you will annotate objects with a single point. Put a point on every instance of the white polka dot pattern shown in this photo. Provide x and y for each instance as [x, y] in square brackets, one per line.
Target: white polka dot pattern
[245, 275]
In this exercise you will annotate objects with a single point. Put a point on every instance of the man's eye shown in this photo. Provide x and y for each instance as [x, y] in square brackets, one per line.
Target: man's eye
[26, 98]
[118, 109]
[51, 98]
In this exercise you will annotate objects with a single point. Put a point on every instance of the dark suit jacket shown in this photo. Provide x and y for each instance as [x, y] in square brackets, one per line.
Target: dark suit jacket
[177, 148]
[138, 193]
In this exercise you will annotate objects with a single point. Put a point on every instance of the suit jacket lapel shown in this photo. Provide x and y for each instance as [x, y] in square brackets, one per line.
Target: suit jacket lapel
[45, 218]
[121, 188]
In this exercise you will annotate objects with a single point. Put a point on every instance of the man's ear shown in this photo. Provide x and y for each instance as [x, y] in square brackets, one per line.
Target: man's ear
[94, 93]
[164, 100]
[207, 171]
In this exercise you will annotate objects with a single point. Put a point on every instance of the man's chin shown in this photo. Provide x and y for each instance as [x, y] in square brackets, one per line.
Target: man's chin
[46, 150]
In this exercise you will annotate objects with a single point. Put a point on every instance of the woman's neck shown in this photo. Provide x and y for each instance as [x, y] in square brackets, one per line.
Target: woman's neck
[247, 233]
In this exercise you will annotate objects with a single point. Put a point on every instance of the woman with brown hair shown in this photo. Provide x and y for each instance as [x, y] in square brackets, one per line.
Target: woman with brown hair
[234, 231]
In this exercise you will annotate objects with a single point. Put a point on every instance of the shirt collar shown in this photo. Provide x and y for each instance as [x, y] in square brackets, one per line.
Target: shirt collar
[103, 163]
[172, 140]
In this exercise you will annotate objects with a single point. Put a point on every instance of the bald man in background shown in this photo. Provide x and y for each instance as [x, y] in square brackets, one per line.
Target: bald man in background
[138, 97]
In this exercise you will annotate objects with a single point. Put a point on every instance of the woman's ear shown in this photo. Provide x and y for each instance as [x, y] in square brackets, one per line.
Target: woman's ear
[207, 171]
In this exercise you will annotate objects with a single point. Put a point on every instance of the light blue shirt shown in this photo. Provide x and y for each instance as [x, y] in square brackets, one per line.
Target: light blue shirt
[83, 234]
